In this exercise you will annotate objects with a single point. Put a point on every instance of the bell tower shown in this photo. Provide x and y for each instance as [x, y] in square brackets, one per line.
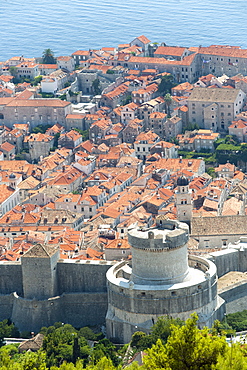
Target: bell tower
[184, 203]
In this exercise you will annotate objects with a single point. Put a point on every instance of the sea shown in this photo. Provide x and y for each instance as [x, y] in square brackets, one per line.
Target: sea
[30, 26]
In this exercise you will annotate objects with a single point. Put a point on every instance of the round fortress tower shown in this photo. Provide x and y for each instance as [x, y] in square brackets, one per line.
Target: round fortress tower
[160, 280]
[159, 256]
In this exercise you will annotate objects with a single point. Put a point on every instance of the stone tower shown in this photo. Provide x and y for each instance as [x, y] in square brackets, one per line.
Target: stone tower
[39, 272]
[161, 280]
[183, 196]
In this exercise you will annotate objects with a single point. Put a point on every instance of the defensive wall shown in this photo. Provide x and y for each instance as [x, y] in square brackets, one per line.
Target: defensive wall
[79, 292]
[81, 296]
[233, 258]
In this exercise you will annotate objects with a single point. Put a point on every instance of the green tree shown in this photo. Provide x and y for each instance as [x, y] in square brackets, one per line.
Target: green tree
[13, 71]
[4, 358]
[238, 320]
[187, 348]
[37, 80]
[191, 348]
[136, 338]
[40, 128]
[162, 328]
[156, 358]
[64, 343]
[168, 103]
[62, 97]
[7, 330]
[48, 57]
[174, 140]
[133, 366]
[87, 333]
[190, 127]
[96, 86]
[104, 347]
[244, 152]
[33, 361]
[166, 84]
[56, 137]
[58, 344]
[229, 139]
[84, 133]
[76, 349]
[103, 364]
[47, 95]
[233, 359]
[127, 100]
[211, 172]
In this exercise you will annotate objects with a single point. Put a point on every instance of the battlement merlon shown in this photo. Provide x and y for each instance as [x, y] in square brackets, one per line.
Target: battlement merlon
[158, 238]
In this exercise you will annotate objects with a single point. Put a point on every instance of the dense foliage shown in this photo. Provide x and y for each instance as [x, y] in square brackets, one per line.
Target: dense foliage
[96, 87]
[238, 320]
[191, 127]
[40, 129]
[160, 330]
[171, 345]
[8, 330]
[84, 133]
[166, 84]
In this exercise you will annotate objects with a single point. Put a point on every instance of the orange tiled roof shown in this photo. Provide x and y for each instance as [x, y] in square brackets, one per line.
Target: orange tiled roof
[238, 124]
[149, 136]
[82, 52]
[48, 66]
[143, 39]
[5, 192]
[72, 135]
[7, 147]
[228, 51]
[118, 244]
[36, 103]
[170, 50]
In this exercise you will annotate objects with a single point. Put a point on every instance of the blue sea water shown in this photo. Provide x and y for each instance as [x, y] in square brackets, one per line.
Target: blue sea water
[30, 26]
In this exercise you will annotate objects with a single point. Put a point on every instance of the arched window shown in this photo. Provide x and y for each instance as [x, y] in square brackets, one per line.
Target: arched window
[1, 116]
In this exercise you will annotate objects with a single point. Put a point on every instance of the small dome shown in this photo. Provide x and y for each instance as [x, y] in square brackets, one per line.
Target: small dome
[182, 181]
[12, 176]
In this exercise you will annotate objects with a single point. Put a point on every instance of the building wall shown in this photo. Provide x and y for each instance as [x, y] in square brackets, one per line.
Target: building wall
[216, 116]
[35, 115]
[216, 241]
[225, 261]
[49, 85]
[85, 80]
[218, 65]
[10, 278]
[10, 202]
[40, 148]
